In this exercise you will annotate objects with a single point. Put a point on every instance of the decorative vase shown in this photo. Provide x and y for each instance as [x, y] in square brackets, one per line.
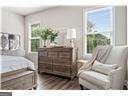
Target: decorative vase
[52, 44]
[44, 45]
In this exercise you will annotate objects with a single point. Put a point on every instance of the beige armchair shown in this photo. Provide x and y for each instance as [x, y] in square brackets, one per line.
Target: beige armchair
[91, 79]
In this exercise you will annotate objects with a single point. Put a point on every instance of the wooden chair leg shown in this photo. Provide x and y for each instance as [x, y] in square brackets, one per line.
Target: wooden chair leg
[82, 88]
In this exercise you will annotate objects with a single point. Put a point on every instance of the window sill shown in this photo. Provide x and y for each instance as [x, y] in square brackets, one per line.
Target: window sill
[32, 52]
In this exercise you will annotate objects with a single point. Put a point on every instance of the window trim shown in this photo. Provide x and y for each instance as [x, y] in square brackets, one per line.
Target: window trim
[29, 36]
[84, 32]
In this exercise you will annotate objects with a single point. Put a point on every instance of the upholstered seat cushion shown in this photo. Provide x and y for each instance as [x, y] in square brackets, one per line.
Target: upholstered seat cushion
[104, 68]
[96, 78]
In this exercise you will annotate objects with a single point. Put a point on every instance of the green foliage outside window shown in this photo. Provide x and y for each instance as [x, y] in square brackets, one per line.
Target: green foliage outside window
[35, 42]
[94, 40]
[34, 27]
[34, 45]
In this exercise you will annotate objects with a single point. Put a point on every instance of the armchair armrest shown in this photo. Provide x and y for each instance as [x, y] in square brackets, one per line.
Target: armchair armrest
[116, 78]
[82, 66]
[80, 63]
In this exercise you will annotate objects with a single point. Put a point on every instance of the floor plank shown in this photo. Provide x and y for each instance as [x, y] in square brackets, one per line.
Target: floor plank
[51, 82]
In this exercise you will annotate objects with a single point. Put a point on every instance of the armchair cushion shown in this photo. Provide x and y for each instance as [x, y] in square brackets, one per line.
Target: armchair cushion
[104, 68]
[116, 79]
[101, 80]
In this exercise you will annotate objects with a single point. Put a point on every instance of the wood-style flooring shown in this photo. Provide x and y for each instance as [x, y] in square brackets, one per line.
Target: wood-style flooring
[51, 82]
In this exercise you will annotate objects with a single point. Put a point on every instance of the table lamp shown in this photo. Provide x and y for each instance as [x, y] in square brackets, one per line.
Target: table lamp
[71, 35]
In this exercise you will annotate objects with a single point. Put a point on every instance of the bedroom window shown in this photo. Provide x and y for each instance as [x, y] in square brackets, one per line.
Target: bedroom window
[99, 28]
[35, 40]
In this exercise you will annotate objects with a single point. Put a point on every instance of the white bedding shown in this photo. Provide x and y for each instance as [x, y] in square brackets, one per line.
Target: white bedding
[11, 63]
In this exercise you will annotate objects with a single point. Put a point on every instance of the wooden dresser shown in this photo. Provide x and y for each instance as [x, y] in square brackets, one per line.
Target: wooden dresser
[57, 60]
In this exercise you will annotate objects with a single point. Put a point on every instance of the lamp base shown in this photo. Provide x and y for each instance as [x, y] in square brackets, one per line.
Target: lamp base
[72, 43]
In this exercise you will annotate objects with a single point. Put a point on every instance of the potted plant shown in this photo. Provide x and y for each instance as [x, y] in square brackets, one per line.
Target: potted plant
[46, 33]
[43, 33]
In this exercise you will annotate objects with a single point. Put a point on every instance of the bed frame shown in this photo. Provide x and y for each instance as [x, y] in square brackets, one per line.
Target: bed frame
[23, 79]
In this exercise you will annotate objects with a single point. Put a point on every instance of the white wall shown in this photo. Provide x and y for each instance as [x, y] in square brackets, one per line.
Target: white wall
[13, 23]
[0, 26]
[121, 35]
[127, 42]
[120, 25]
[0, 20]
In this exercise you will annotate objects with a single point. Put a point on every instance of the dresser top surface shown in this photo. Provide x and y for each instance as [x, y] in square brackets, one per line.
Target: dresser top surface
[55, 47]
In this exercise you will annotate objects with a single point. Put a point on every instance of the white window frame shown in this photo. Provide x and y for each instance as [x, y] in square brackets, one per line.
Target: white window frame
[29, 36]
[84, 37]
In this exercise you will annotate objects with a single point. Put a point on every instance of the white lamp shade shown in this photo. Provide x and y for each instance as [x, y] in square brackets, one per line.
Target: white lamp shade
[71, 33]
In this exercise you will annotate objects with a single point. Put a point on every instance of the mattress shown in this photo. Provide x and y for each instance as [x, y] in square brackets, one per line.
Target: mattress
[13, 63]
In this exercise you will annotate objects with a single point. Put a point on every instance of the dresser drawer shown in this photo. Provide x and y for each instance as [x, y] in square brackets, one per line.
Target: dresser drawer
[44, 53]
[60, 49]
[44, 67]
[65, 55]
[45, 60]
[53, 54]
[61, 69]
[62, 61]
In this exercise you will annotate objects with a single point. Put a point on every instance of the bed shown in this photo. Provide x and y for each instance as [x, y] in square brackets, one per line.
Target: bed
[17, 72]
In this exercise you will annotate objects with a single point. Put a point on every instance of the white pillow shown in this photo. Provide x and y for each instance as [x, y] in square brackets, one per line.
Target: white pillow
[17, 52]
[104, 68]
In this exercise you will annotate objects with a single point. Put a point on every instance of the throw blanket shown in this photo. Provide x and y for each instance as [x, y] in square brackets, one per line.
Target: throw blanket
[100, 54]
